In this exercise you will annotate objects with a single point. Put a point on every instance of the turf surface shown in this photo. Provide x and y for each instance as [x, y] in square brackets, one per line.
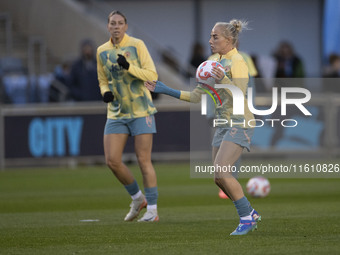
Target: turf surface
[42, 211]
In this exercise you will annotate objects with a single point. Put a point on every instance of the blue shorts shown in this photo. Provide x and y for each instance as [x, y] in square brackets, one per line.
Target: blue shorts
[240, 136]
[133, 127]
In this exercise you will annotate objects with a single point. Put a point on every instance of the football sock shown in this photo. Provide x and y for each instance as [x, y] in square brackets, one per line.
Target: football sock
[151, 207]
[151, 195]
[242, 207]
[132, 188]
[137, 195]
[247, 218]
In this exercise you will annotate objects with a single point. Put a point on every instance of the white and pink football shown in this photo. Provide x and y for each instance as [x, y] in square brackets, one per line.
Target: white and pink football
[258, 186]
[203, 72]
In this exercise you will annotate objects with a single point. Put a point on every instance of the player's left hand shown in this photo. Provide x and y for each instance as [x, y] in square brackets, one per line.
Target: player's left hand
[217, 73]
[121, 60]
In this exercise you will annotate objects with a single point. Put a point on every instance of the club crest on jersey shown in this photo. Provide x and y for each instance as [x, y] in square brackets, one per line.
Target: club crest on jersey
[127, 54]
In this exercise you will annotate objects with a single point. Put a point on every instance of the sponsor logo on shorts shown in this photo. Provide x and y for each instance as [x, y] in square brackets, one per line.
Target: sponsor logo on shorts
[248, 138]
[233, 132]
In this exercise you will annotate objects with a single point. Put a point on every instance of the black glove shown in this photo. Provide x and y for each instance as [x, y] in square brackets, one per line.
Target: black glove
[108, 97]
[121, 60]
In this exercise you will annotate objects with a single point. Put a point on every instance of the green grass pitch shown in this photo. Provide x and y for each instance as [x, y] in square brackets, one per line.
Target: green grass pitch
[41, 212]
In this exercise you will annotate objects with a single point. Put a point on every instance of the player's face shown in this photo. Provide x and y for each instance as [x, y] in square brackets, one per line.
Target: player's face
[218, 43]
[117, 27]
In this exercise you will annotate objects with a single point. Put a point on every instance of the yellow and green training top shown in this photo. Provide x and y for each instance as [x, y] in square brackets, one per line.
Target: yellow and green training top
[131, 98]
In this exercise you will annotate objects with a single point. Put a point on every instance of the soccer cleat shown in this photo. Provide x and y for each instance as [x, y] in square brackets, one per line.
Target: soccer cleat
[149, 216]
[136, 206]
[256, 216]
[222, 195]
[244, 227]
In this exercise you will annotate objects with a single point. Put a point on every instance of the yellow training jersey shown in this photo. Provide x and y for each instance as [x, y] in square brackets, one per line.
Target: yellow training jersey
[236, 74]
[131, 98]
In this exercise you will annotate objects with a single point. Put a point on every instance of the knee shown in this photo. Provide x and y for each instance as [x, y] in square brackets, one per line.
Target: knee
[221, 172]
[144, 161]
[113, 163]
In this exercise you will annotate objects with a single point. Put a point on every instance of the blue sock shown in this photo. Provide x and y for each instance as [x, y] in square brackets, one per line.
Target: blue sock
[132, 188]
[242, 207]
[151, 195]
[250, 207]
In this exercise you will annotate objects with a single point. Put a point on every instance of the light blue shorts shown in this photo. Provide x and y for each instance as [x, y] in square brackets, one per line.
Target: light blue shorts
[133, 127]
[240, 136]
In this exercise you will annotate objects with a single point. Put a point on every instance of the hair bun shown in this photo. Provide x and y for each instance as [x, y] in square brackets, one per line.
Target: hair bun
[238, 24]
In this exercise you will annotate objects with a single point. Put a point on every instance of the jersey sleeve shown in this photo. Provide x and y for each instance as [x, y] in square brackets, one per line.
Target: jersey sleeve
[103, 82]
[147, 71]
[192, 96]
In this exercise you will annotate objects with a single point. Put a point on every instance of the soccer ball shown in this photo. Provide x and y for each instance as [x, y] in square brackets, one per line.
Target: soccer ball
[203, 72]
[258, 186]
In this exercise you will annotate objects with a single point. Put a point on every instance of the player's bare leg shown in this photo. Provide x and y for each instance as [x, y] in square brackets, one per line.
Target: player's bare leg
[143, 148]
[222, 193]
[113, 147]
[227, 155]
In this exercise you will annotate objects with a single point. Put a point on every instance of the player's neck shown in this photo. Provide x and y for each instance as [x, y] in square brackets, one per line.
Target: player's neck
[116, 41]
[226, 50]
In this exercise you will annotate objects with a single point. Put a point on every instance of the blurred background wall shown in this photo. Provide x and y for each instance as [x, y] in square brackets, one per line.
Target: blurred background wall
[175, 25]
[40, 40]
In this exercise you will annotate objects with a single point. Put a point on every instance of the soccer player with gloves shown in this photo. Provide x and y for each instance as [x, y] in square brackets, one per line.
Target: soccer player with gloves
[123, 64]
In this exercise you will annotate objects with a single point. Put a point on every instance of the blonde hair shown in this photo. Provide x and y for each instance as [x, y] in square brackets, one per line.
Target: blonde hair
[232, 29]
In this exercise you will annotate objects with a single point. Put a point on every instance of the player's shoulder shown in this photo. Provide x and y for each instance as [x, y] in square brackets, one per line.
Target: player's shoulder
[135, 41]
[237, 57]
[104, 46]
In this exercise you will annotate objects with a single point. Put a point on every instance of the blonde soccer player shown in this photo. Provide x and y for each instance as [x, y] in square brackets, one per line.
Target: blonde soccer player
[228, 141]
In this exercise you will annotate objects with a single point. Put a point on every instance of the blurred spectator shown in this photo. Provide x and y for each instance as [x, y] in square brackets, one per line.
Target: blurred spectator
[289, 65]
[62, 72]
[59, 90]
[16, 87]
[266, 71]
[333, 70]
[169, 59]
[44, 82]
[83, 81]
[14, 80]
[197, 57]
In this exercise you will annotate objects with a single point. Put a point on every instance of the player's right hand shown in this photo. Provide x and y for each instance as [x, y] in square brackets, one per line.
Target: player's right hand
[108, 97]
[150, 85]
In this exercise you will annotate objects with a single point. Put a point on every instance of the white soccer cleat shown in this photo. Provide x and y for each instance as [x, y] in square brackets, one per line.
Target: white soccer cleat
[149, 216]
[136, 206]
